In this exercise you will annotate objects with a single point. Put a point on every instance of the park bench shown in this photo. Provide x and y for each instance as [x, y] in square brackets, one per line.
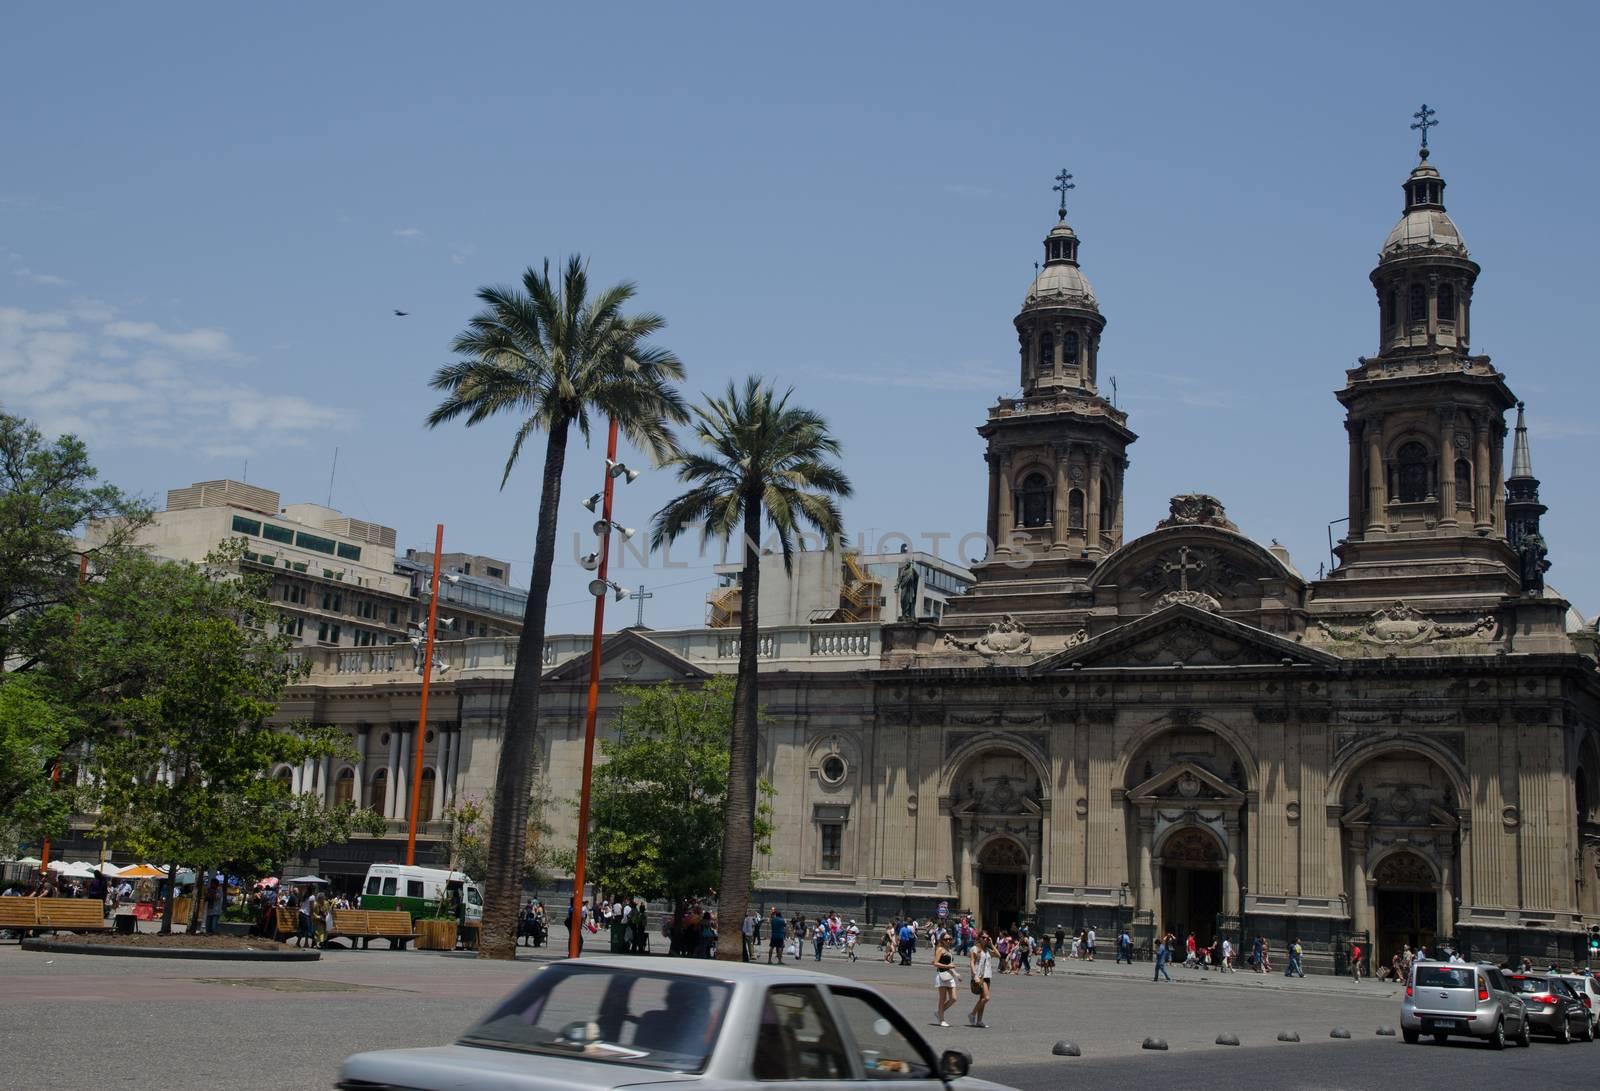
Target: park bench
[285, 923]
[393, 925]
[33, 915]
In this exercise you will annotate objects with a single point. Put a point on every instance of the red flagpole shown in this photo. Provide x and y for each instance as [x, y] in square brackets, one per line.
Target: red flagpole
[422, 714]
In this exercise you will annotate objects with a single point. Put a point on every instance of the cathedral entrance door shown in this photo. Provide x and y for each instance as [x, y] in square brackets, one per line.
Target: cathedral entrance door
[1191, 885]
[1002, 895]
[1406, 902]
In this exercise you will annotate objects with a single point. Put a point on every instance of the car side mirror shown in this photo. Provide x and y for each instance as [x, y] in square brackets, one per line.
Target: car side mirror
[954, 1064]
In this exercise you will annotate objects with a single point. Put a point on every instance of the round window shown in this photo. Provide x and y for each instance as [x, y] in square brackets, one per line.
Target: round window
[833, 769]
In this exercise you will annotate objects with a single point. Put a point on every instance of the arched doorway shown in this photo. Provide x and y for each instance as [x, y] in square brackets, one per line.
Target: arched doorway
[1192, 861]
[1002, 884]
[1405, 903]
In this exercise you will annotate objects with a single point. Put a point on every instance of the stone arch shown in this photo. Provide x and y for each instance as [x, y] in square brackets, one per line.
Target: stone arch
[1178, 842]
[977, 748]
[1402, 867]
[1125, 773]
[1003, 873]
[344, 785]
[1351, 761]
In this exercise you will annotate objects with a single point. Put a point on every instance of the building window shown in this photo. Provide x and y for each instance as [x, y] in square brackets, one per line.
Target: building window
[344, 788]
[495, 573]
[1047, 352]
[833, 769]
[291, 626]
[1447, 303]
[327, 634]
[1463, 483]
[1036, 495]
[241, 525]
[394, 615]
[349, 552]
[1417, 308]
[1412, 465]
[285, 778]
[425, 798]
[1108, 506]
[1389, 309]
[380, 791]
[277, 534]
[832, 842]
[1075, 509]
[1070, 350]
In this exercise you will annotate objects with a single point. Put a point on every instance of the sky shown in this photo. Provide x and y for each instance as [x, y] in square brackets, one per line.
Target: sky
[208, 214]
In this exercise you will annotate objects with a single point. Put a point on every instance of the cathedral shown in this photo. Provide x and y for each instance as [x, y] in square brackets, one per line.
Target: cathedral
[1170, 727]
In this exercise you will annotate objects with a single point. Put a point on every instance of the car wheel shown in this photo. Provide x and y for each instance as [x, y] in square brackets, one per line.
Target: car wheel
[1410, 1036]
[1563, 1033]
[1523, 1038]
[1497, 1040]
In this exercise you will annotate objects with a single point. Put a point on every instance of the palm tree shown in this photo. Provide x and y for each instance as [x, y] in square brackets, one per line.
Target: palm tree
[556, 358]
[761, 458]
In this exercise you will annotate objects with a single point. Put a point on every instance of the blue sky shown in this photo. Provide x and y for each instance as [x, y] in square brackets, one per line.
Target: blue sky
[208, 213]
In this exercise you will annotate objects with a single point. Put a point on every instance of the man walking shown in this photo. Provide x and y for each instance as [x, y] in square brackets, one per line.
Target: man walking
[747, 929]
[776, 944]
[1088, 945]
[1125, 948]
[1161, 961]
[1227, 956]
[907, 942]
[1355, 961]
[1295, 966]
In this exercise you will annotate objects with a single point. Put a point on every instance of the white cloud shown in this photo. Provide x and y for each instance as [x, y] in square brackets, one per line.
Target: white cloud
[39, 278]
[120, 382]
[408, 232]
[975, 376]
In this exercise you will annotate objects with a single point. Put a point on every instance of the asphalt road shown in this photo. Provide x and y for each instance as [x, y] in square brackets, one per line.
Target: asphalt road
[80, 1021]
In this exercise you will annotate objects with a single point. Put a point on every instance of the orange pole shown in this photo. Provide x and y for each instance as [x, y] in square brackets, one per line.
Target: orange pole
[55, 768]
[575, 933]
[422, 714]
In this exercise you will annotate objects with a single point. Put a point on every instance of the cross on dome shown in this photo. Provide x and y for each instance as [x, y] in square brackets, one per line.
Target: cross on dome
[1424, 122]
[1063, 183]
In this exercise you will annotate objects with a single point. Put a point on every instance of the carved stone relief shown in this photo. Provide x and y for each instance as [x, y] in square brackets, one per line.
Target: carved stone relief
[1403, 625]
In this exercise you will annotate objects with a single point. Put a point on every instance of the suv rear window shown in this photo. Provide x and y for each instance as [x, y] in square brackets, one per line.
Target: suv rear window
[1533, 985]
[1446, 977]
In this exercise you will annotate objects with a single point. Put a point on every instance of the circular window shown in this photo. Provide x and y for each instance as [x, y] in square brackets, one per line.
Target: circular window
[430, 736]
[833, 769]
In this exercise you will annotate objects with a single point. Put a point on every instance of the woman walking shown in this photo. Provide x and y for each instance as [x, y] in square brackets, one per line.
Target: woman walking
[982, 975]
[944, 978]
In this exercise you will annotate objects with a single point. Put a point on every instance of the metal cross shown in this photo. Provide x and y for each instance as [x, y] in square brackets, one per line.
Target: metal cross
[1063, 183]
[1183, 567]
[641, 595]
[1424, 122]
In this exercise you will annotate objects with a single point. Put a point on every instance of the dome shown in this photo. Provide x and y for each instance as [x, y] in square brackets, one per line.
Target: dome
[1424, 229]
[1060, 285]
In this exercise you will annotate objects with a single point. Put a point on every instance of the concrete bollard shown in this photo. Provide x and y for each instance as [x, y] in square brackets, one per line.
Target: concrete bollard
[1339, 1032]
[1385, 1032]
[1288, 1036]
[1154, 1043]
[1227, 1039]
[1066, 1049]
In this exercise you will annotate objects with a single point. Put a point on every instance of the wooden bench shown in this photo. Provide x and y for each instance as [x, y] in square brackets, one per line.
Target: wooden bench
[286, 922]
[393, 925]
[33, 915]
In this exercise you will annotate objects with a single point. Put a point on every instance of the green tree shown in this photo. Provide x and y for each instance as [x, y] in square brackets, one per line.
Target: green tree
[49, 495]
[175, 671]
[34, 730]
[467, 823]
[554, 357]
[658, 824]
[760, 459]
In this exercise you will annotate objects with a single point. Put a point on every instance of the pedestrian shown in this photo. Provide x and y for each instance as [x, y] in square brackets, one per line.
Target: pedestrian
[906, 942]
[819, 936]
[778, 932]
[1047, 956]
[306, 934]
[1125, 948]
[217, 898]
[852, 937]
[1295, 965]
[1227, 956]
[1355, 960]
[1161, 961]
[944, 979]
[747, 930]
[1088, 944]
[982, 962]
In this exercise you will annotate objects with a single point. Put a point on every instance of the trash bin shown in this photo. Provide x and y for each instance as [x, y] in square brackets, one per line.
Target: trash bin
[125, 923]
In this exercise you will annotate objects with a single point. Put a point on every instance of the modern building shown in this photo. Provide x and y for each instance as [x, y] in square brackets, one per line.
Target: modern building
[1167, 725]
[831, 586]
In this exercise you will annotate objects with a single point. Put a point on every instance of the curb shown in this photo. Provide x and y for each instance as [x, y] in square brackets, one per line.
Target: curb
[113, 951]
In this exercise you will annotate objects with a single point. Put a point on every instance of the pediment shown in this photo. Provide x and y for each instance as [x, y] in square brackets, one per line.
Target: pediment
[1214, 560]
[1180, 635]
[1186, 782]
[629, 656]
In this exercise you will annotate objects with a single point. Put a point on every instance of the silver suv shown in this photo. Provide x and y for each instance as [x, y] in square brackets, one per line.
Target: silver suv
[1452, 998]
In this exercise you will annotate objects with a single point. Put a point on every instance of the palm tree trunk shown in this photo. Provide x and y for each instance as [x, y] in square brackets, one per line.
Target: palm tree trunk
[738, 833]
[513, 780]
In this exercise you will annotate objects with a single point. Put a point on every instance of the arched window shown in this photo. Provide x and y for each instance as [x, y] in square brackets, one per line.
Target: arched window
[1035, 500]
[1108, 506]
[285, 777]
[1412, 465]
[380, 791]
[1463, 483]
[425, 797]
[1390, 309]
[1447, 303]
[1047, 352]
[1070, 352]
[1417, 307]
[1075, 509]
[344, 788]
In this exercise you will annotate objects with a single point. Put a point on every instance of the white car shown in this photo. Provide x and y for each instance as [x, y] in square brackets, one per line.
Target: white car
[1587, 988]
[610, 1022]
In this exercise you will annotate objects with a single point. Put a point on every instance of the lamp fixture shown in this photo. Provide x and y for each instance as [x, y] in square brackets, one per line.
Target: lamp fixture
[589, 562]
[617, 469]
[593, 502]
[598, 589]
[603, 526]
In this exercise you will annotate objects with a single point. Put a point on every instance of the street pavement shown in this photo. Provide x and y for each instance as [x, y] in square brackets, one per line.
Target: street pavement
[77, 1020]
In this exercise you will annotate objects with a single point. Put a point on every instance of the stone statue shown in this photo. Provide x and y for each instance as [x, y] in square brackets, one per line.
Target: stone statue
[1004, 637]
[1532, 553]
[905, 585]
[1196, 509]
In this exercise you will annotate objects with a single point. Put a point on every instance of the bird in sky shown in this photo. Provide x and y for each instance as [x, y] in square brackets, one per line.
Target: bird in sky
[401, 314]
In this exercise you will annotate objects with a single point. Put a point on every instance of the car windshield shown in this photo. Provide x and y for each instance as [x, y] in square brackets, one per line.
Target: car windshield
[1445, 977]
[652, 1020]
[1532, 985]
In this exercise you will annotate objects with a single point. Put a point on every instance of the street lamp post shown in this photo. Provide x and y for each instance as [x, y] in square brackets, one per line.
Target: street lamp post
[422, 713]
[599, 561]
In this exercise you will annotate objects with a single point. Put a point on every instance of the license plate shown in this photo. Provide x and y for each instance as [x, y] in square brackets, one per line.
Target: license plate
[1444, 1024]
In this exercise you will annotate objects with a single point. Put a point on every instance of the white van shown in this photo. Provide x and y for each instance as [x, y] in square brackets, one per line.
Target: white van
[419, 890]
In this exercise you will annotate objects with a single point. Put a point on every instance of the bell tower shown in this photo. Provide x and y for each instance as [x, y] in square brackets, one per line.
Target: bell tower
[1425, 420]
[1057, 454]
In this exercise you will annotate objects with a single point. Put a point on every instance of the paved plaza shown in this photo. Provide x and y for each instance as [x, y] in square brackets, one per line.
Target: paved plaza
[200, 1024]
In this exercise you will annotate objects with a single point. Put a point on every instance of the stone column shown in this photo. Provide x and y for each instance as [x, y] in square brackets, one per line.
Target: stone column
[966, 874]
[1447, 904]
[1008, 521]
[1063, 454]
[1230, 878]
[1447, 466]
[402, 781]
[992, 516]
[308, 776]
[1497, 455]
[1353, 428]
[1091, 517]
[455, 760]
[442, 780]
[295, 773]
[1377, 520]
[1147, 881]
[1433, 309]
[325, 781]
[1480, 474]
[359, 795]
[1360, 892]
[392, 785]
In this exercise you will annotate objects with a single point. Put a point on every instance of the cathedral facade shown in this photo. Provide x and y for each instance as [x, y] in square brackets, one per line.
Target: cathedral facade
[1175, 729]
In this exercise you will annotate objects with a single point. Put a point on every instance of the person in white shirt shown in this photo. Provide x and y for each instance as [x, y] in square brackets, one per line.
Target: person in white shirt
[1227, 956]
[852, 936]
[982, 960]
